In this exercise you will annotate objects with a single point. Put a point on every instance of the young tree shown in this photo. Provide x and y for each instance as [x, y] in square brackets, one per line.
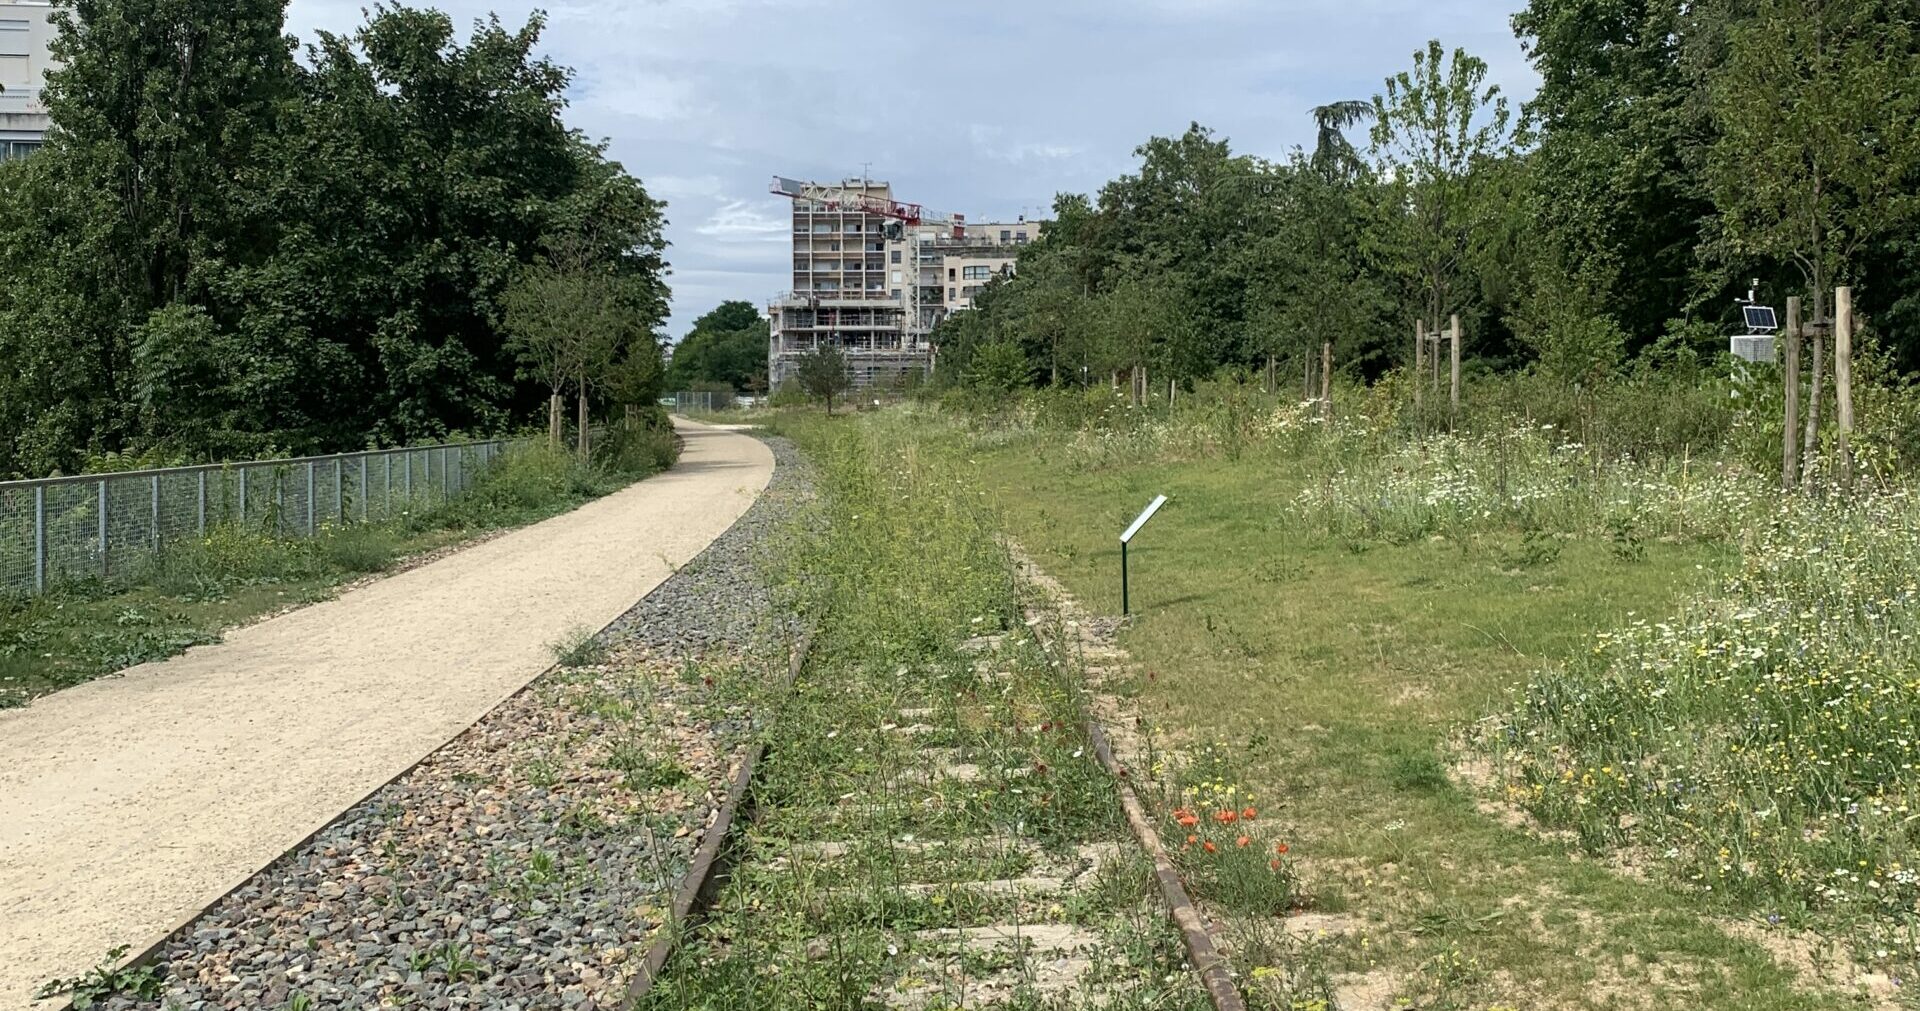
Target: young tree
[823, 373]
[1435, 126]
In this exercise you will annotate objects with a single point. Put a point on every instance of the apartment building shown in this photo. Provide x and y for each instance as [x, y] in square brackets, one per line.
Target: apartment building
[25, 35]
[875, 276]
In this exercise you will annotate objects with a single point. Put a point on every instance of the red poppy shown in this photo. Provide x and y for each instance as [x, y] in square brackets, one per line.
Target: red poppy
[1211, 848]
[1248, 814]
[1242, 841]
[1280, 848]
[1225, 817]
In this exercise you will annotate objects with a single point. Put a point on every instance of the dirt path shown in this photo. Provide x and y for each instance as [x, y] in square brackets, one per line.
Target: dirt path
[129, 803]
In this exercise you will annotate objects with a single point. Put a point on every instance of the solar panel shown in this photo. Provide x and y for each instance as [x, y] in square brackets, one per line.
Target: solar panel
[1760, 318]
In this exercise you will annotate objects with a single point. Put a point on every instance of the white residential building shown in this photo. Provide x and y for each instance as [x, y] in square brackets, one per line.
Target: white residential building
[876, 286]
[25, 35]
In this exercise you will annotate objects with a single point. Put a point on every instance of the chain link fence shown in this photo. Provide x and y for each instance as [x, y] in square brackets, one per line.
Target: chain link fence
[100, 525]
[704, 401]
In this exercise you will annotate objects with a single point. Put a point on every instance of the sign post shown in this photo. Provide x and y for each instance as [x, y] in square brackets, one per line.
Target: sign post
[1126, 603]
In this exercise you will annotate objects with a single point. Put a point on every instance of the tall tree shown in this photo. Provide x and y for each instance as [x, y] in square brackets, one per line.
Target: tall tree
[1618, 199]
[1434, 127]
[1819, 133]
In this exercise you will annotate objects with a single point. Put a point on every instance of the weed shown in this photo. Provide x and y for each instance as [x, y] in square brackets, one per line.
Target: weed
[108, 979]
[579, 647]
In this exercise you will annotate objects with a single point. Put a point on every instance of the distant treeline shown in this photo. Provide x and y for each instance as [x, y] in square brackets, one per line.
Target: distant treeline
[228, 247]
[1675, 151]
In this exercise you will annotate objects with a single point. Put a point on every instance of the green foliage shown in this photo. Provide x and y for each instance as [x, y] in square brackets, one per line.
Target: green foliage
[727, 346]
[1818, 117]
[823, 373]
[105, 980]
[1000, 367]
[191, 249]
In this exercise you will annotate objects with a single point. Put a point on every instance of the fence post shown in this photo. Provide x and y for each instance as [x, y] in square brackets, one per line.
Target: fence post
[339, 500]
[243, 496]
[310, 529]
[386, 483]
[39, 538]
[1843, 379]
[407, 479]
[200, 507]
[1790, 447]
[100, 510]
[155, 526]
[1454, 400]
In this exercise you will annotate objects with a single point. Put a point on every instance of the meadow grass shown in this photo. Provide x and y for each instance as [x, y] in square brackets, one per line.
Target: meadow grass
[193, 589]
[896, 568]
[1340, 646]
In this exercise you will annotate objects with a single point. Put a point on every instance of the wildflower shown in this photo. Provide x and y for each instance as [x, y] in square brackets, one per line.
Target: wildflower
[1225, 817]
[1242, 841]
[1248, 814]
[1210, 847]
[1191, 839]
[1280, 848]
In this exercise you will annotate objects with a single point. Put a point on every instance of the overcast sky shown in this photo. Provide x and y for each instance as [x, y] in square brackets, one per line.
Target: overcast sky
[987, 109]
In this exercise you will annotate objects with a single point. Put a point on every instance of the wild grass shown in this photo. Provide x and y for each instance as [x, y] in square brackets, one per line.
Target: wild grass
[1760, 741]
[895, 568]
[192, 589]
[1335, 646]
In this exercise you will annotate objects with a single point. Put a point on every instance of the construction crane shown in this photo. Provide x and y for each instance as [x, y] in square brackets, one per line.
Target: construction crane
[845, 199]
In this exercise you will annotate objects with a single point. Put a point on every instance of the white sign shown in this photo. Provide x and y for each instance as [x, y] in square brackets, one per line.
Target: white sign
[1142, 521]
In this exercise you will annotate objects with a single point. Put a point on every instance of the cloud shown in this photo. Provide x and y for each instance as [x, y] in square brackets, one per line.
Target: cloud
[740, 221]
[986, 116]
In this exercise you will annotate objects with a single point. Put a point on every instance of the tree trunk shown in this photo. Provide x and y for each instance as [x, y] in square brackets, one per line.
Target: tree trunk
[554, 423]
[1790, 372]
[1326, 381]
[1811, 442]
[585, 448]
[1453, 400]
[1419, 360]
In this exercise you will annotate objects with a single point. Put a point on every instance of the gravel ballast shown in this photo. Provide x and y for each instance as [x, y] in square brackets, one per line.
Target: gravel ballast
[527, 863]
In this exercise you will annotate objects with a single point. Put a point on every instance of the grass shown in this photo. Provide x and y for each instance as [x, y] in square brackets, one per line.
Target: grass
[1340, 662]
[193, 590]
[897, 569]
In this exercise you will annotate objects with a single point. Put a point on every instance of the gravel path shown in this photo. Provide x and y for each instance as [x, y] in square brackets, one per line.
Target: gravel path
[526, 864]
[128, 803]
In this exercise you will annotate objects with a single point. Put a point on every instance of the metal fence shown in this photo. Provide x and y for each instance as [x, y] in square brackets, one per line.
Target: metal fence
[69, 528]
[704, 401]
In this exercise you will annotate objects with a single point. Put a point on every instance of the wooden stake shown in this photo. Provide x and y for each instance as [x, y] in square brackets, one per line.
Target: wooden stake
[1790, 373]
[1843, 375]
[1326, 381]
[1454, 399]
[1810, 442]
[1419, 359]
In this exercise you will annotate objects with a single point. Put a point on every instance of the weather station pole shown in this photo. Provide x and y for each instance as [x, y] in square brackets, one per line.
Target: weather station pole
[1126, 601]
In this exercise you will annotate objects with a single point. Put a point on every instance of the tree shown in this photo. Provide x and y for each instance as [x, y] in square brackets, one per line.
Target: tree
[1333, 153]
[1433, 128]
[1816, 112]
[823, 373]
[727, 345]
[1617, 197]
[1000, 367]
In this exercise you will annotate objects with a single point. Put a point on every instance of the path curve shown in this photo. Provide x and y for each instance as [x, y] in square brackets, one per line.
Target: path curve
[127, 804]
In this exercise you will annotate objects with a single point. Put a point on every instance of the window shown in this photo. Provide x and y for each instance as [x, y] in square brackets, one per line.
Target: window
[952, 294]
[17, 149]
[896, 276]
[1019, 236]
[951, 274]
[1006, 235]
[896, 291]
[977, 273]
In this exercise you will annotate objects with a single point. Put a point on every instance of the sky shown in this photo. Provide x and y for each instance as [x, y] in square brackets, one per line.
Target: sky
[986, 109]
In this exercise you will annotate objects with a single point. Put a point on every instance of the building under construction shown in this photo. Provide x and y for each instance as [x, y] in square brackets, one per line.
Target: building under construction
[874, 276]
